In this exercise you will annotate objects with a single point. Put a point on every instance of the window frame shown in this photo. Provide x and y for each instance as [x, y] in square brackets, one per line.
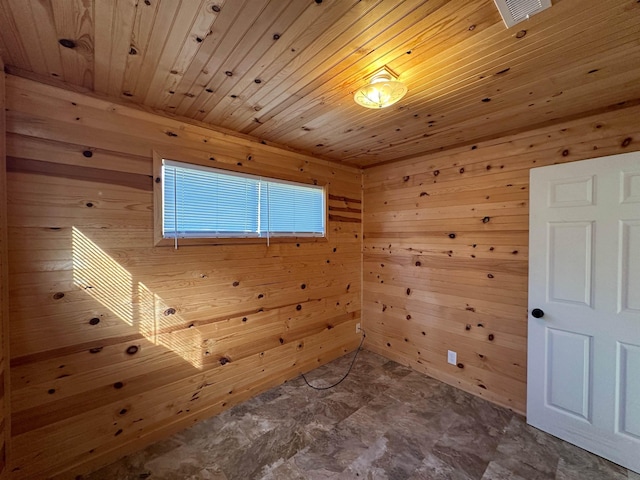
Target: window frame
[187, 158]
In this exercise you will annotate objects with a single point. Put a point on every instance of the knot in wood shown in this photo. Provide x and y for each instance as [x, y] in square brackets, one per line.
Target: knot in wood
[67, 43]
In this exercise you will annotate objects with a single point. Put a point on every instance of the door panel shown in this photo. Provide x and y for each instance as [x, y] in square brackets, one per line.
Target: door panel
[569, 372]
[584, 273]
[629, 390]
[570, 259]
[630, 187]
[629, 267]
[571, 192]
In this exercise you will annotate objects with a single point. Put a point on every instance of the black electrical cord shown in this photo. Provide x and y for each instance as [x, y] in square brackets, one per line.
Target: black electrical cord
[345, 375]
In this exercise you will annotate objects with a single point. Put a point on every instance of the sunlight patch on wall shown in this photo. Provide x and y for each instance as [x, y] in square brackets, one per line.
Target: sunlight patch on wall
[161, 327]
[102, 277]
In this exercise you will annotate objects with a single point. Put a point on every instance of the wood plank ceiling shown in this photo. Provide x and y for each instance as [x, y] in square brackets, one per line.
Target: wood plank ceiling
[284, 71]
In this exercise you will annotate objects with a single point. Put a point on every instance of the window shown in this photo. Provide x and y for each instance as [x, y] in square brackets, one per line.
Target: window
[204, 202]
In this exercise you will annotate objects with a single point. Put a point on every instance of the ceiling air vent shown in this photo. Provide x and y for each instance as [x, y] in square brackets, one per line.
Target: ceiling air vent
[515, 11]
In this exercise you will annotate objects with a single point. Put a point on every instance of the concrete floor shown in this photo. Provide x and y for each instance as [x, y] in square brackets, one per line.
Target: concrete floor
[384, 422]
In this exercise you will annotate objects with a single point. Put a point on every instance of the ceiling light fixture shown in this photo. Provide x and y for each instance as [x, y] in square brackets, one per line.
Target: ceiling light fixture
[383, 90]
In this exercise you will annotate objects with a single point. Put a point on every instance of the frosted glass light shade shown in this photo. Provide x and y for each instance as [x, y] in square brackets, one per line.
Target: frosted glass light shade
[382, 91]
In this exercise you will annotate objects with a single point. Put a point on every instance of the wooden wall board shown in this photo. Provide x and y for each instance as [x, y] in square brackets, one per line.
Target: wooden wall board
[104, 322]
[603, 135]
[446, 247]
[5, 410]
[99, 118]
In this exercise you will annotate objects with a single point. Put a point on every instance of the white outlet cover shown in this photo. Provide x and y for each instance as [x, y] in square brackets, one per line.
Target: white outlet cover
[452, 357]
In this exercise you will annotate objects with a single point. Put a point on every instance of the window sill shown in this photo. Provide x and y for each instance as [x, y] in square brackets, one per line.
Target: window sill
[183, 242]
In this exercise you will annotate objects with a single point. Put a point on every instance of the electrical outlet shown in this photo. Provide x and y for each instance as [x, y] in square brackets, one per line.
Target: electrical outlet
[452, 357]
[358, 328]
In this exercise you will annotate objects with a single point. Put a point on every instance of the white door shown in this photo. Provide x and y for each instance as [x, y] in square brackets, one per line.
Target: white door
[584, 279]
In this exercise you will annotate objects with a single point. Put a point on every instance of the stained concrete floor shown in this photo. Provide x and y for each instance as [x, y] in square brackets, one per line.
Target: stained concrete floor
[384, 422]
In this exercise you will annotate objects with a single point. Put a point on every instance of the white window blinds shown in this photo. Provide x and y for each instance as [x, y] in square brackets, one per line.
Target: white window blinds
[203, 202]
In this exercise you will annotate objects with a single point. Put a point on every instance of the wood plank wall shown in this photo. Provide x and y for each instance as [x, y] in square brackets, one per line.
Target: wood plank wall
[4, 288]
[446, 246]
[116, 343]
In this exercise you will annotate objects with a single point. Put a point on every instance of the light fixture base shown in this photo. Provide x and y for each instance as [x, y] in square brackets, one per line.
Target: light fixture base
[382, 91]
